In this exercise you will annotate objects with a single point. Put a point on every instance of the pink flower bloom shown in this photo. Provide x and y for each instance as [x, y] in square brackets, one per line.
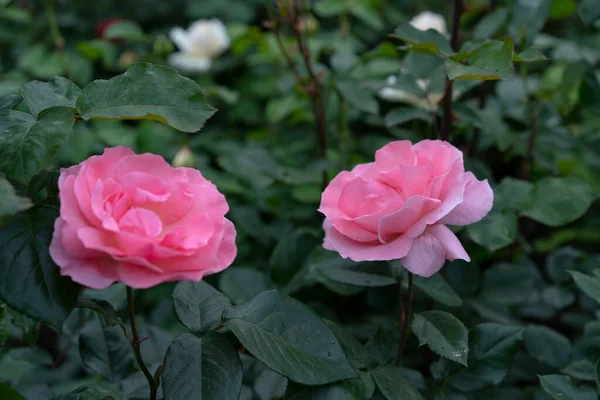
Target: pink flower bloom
[135, 219]
[398, 206]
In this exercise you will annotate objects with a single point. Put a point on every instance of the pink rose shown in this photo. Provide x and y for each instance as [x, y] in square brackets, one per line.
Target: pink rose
[398, 206]
[135, 219]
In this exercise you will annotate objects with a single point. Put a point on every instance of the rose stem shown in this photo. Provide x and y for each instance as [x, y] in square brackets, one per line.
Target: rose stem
[153, 381]
[485, 91]
[404, 317]
[447, 121]
[57, 38]
[314, 88]
[524, 174]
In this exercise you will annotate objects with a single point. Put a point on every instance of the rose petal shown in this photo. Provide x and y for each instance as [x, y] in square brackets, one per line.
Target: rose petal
[453, 197]
[394, 154]
[478, 200]
[329, 207]
[358, 251]
[139, 273]
[142, 222]
[454, 249]
[96, 273]
[191, 233]
[227, 248]
[439, 153]
[402, 220]
[426, 256]
[96, 239]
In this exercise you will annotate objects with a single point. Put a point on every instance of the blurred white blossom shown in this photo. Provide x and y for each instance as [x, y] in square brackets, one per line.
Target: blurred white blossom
[427, 101]
[429, 20]
[203, 41]
[424, 21]
[184, 157]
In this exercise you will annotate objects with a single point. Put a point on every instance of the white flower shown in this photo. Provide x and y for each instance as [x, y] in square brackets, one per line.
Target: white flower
[427, 101]
[429, 20]
[184, 157]
[199, 45]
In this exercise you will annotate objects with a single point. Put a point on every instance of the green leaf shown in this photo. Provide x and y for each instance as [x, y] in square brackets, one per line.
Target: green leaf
[558, 201]
[366, 13]
[241, 284]
[280, 108]
[358, 96]
[429, 42]
[289, 338]
[10, 202]
[206, 367]
[364, 274]
[198, 305]
[561, 387]
[351, 389]
[562, 9]
[124, 30]
[105, 350]
[104, 309]
[28, 146]
[10, 101]
[490, 357]
[491, 61]
[147, 91]
[495, 231]
[98, 49]
[561, 260]
[344, 61]
[528, 17]
[530, 55]
[443, 333]
[44, 180]
[357, 354]
[490, 24]
[270, 385]
[289, 255]
[31, 282]
[438, 289]
[588, 11]
[398, 116]
[548, 346]
[329, 8]
[91, 393]
[597, 374]
[509, 283]
[8, 393]
[590, 285]
[558, 297]
[58, 91]
[394, 386]
[8, 118]
[511, 193]
[582, 369]
[3, 330]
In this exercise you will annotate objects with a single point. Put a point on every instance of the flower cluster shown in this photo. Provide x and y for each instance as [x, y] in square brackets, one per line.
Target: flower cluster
[135, 219]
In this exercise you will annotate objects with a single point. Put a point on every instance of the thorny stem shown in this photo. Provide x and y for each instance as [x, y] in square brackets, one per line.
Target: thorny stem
[406, 313]
[447, 119]
[314, 88]
[153, 381]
